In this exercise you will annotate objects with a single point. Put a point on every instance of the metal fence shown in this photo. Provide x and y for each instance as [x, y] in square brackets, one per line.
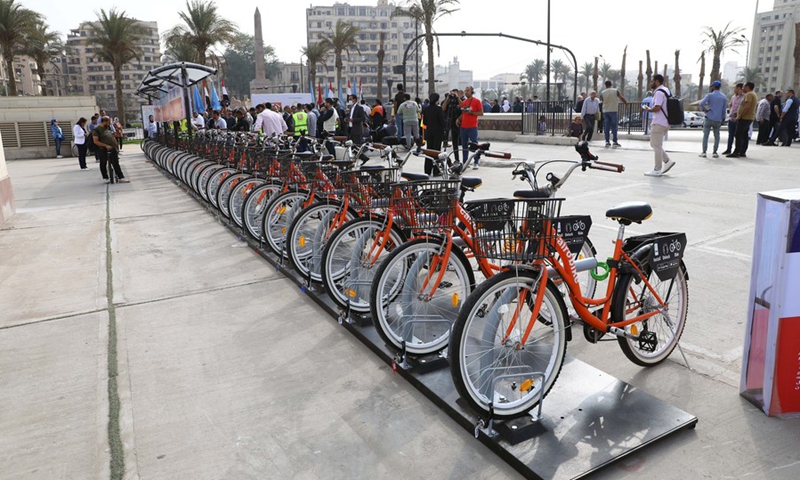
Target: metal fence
[553, 118]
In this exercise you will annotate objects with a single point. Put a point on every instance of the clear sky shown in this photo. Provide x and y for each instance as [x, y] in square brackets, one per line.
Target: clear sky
[588, 28]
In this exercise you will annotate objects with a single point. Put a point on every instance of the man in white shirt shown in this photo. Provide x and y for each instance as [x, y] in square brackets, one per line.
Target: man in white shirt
[270, 122]
[219, 122]
[660, 127]
[198, 123]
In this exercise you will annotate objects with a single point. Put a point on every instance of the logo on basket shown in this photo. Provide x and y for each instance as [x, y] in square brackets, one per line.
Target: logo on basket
[562, 245]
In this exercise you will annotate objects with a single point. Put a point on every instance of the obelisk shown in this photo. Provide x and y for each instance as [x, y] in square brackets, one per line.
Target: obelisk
[260, 83]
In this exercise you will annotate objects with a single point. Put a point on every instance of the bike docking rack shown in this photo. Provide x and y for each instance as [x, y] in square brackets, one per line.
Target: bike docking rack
[591, 419]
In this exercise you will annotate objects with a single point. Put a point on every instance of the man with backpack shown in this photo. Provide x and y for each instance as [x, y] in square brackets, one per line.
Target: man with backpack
[660, 127]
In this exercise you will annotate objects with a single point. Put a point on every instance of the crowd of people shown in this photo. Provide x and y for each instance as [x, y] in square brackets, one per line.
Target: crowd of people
[100, 136]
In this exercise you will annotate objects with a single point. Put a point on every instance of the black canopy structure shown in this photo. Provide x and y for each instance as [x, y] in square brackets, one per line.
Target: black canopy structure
[179, 74]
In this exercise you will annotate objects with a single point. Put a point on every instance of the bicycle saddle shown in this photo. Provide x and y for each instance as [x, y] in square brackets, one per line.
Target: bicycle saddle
[471, 182]
[414, 177]
[628, 212]
[531, 194]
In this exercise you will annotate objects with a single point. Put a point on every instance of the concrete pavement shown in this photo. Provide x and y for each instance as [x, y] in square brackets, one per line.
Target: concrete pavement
[223, 369]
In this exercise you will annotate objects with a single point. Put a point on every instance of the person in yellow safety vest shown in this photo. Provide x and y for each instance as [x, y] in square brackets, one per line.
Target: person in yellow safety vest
[300, 120]
[300, 123]
[183, 125]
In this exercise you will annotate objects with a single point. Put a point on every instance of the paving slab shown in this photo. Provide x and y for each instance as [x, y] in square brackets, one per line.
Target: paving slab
[256, 382]
[54, 411]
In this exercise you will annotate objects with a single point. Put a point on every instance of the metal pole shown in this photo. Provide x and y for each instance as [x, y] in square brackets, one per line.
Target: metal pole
[547, 95]
[186, 104]
[416, 54]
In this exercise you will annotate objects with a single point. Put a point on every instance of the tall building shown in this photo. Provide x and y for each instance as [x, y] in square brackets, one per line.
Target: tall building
[88, 75]
[772, 44]
[730, 71]
[25, 75]
[363, 66]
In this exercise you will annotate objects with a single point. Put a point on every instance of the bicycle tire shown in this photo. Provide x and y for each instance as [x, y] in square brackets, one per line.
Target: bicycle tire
[478, 336]
[626, 285]
[399, 313]
[255, 205]
[346, 280]
[226, 189]
[308, 234]
[204, 175]
[279, 214]
[214, 183]
[239, 195]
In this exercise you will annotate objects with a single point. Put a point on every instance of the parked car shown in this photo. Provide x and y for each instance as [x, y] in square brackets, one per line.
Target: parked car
[693, 119]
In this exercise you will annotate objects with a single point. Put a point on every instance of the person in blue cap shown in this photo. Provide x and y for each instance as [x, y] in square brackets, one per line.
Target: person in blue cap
[58, 136]
[714, 104]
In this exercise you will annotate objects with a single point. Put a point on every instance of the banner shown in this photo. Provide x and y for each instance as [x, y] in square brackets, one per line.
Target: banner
[171, 106]
[280, 99]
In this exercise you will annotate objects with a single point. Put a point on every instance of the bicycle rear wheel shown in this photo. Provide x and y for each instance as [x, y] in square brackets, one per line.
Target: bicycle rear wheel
[401, 305]
[491, 366]
[307, 235]
[632, 298]
[280, 212]
[238, 197]
[255, 206]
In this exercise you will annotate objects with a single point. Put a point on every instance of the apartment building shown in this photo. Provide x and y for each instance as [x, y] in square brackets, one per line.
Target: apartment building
[772, 45]
[25, 74]
[88, 75]
[363, 66]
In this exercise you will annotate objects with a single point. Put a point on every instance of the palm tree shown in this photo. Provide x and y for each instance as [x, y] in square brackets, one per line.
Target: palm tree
[534, 71]
[556, 67]
[316, 54]
[605, 70]
[42, 45]
[594, 75]
[639, 79]
[751, 74]
[691, 90]
[716, 42]
[343, 39]
[179, 49]
[649, 70]
[16, 23]
[702, 75]
[204, 28]
[426, 13]
[381, 55]
[622, 69]
[677, 76]
[586, 71]
[118, 39]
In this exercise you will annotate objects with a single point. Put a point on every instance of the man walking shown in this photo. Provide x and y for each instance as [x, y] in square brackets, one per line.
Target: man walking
[589, 111]
[762, 118]
[736, 99]
[660, 127]
[471, 109]
[106, 144]
[744, 118]
[611, 98]
[787, 121]
[713, 104]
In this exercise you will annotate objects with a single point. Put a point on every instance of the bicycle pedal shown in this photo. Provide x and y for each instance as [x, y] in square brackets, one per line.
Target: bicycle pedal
[648, 341]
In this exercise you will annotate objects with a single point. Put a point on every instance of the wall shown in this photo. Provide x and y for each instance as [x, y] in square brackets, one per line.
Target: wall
[6, 192]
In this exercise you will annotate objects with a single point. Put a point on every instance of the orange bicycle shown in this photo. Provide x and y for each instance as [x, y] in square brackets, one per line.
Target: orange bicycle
[510, 338]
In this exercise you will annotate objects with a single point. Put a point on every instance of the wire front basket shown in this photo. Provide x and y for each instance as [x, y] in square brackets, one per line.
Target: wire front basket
[370, 189]
[426, 206]
[320, 176]
[515, 230]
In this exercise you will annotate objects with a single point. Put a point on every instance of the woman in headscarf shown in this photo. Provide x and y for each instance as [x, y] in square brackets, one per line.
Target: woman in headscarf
[433, 117]
[506, 106]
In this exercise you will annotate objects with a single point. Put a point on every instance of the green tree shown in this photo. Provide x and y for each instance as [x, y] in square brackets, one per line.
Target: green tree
[240, 61]
[751, 74]
[341, 42]
[534, 71]
[605, 71]
[204, 28]
[42, 45]
[16, 23]
[717, 42]
[178, 49]
[316, 54]
[586, 71]
[117, 38]
[556, 69]
[426, 13]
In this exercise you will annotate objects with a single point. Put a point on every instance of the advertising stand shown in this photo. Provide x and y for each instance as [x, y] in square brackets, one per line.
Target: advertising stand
[771, 364]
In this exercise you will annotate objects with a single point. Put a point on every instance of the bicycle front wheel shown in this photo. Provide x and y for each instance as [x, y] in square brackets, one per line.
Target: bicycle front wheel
[238, 196]
[279, 215]
[501, 356]
[255, 207]
[632, 298]
[401, 303]
[308, 234]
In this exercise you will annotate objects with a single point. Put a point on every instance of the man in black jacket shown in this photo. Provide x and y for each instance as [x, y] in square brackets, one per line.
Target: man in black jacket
[433, 116]
[356, 118]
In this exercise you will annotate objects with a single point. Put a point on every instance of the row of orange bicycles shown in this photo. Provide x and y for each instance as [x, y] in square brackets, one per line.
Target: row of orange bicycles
[495, 286]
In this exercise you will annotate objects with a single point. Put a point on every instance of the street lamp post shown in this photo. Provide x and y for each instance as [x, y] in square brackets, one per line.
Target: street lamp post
[547, 94]
[747, 58]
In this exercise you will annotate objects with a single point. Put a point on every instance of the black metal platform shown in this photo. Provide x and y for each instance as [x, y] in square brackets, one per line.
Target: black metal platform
[590, 418]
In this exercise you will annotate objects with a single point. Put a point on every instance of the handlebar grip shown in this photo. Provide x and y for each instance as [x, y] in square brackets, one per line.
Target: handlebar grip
[504, 155]
[378, 146]
[339, 139]
[613, 166]
[431, 153]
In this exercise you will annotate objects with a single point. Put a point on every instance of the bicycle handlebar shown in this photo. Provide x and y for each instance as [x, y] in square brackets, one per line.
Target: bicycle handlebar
[503, 155]
[608, 167]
